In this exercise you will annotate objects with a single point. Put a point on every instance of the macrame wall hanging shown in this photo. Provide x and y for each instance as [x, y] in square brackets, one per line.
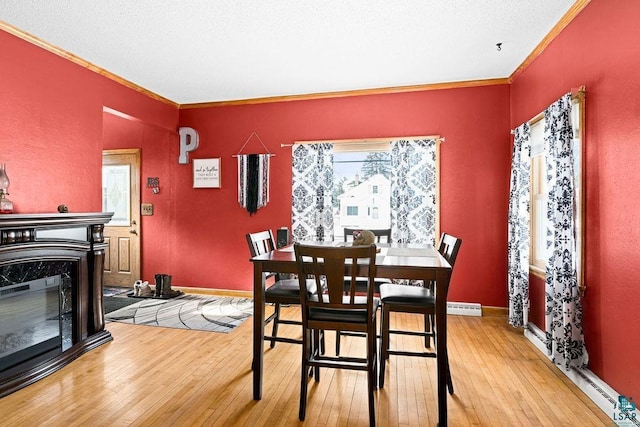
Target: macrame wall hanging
[253, 178]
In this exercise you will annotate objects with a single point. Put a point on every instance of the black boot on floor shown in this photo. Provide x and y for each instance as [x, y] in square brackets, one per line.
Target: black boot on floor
[159, 285]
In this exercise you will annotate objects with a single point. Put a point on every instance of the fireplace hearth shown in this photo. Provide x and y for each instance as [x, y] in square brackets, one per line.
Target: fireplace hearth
[51, 269]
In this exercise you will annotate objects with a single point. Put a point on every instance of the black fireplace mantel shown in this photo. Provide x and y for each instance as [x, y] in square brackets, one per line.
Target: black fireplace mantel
[49, 238]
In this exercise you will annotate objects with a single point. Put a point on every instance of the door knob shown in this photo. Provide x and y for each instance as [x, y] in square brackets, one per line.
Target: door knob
[133, 231]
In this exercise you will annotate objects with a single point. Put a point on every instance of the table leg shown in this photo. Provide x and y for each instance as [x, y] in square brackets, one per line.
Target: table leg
[258, 329]
[442, 284]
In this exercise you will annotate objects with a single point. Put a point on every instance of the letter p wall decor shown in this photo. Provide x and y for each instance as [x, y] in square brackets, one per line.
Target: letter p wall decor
[189, 141]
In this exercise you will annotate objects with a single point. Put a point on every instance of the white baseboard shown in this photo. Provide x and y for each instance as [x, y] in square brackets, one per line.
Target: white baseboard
[600, 393]
[464, 308]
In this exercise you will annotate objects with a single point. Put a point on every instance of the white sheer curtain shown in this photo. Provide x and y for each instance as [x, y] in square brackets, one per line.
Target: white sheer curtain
[519, 227]
[312, 208]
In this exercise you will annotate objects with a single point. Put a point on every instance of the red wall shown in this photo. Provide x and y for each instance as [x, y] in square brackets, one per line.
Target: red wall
[475, 157]
[54, 110]
[600, 49]
[51, 127]
[159, 153]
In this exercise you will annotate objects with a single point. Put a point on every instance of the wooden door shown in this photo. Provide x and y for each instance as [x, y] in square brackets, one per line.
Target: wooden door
[121, 195]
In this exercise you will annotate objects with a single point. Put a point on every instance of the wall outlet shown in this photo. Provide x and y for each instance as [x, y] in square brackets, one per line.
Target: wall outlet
[146, 209]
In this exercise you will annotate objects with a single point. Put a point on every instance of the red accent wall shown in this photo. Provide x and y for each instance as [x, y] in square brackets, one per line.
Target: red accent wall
[600, 49]
[54, 130]
[51, 127]
[474, 186]
[537, 301]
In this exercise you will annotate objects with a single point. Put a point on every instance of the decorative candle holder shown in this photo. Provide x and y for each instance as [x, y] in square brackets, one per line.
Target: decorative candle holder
[6, 205]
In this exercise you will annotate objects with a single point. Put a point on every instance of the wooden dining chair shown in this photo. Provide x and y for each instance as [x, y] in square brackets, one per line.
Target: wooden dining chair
[333, 310]
[397, 298]
[382, 235]
[444, 247]
[283, 291]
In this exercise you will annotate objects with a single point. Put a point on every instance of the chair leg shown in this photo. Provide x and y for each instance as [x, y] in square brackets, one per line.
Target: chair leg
[315, 351]
[305, 369]
[371, 374]
[337, 343]
[449, 380]
[276, 321]
[384, 347]
[427, 330]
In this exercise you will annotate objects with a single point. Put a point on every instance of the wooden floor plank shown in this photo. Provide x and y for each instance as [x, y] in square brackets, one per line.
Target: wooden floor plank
[149, 376]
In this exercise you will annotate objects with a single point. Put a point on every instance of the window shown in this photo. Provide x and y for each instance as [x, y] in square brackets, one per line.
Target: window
[361, 177]
[539, 254]
[362, 185]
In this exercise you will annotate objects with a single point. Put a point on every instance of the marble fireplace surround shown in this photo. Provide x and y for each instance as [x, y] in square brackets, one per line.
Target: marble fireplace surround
[32, 245]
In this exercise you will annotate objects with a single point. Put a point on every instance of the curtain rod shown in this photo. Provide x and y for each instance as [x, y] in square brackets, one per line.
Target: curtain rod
[364, 140]
[575, 93]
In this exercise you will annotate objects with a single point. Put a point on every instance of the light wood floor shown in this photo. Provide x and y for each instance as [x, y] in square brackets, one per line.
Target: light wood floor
[151, 376]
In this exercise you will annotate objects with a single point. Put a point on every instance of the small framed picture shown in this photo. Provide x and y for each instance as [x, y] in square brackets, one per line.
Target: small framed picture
[206, 173]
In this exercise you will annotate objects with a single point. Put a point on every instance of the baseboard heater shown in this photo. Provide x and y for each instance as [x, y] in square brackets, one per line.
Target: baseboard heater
[600, 393]
[464, 308]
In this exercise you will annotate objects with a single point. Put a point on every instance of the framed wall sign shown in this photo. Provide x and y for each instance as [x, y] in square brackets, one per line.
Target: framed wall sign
[206, 173]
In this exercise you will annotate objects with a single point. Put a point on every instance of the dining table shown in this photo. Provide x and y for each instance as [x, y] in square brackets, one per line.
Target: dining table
[412, 261]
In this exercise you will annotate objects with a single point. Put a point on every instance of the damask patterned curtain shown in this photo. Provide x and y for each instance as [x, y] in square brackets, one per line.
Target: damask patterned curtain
[312, 216]
[519, 227]
[564, 335]
[413, 191]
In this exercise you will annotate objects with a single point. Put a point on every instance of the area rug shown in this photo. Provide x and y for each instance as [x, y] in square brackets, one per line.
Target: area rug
[109, 291]
[114, 303]
[198, 312]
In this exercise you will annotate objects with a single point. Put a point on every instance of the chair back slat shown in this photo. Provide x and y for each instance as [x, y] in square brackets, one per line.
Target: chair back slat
[260, 242]
[328, 265]
[379, 233]
[449, 247]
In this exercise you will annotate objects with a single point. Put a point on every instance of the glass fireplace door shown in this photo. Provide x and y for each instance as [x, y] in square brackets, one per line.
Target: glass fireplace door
[35, 311]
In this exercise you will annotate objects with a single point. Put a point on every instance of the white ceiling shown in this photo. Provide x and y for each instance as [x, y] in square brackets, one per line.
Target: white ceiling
[193, 51]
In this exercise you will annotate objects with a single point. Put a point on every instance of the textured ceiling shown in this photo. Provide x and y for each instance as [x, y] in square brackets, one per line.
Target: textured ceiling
[193, 51]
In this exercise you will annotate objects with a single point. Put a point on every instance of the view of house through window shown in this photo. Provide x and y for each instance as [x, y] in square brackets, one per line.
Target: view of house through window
[362, 188]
